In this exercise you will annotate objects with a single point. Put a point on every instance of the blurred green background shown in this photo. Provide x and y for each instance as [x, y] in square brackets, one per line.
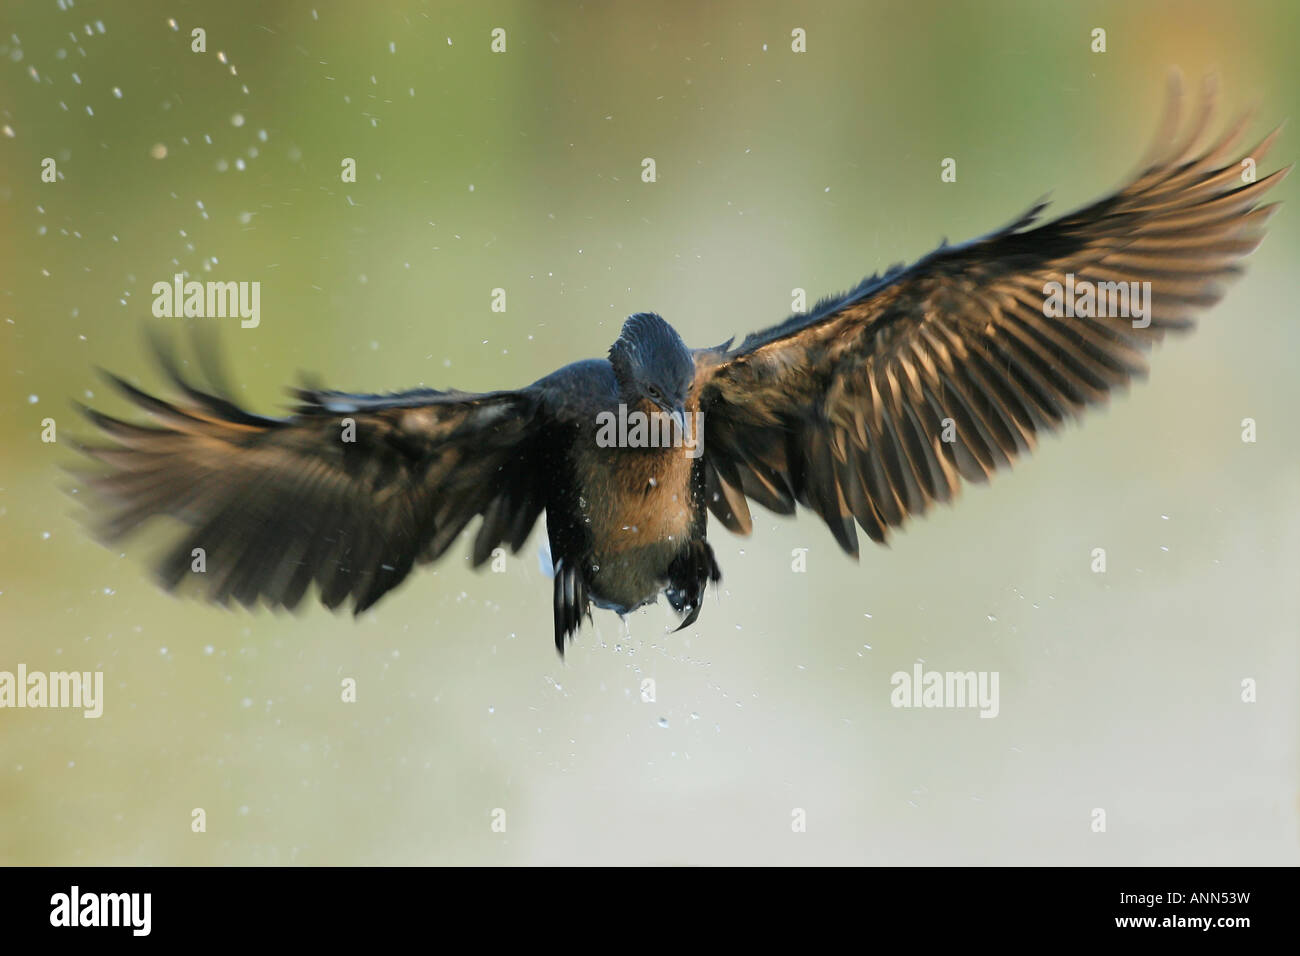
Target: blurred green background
[521, 171]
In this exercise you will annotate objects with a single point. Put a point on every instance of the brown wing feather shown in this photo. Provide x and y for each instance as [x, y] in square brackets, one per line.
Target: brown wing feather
[277, 503]
[844, 410]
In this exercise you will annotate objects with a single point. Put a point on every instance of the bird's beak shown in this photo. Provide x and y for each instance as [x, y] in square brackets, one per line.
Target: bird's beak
[678, 415]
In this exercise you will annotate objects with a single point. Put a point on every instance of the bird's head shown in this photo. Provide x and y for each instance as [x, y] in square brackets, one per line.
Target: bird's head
[653, 364]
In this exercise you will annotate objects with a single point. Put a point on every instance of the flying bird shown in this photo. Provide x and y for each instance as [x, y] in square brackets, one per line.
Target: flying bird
[866, 410]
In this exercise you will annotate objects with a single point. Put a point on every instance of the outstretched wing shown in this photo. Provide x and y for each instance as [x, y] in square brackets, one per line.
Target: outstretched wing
[349, 491]
[876, 404]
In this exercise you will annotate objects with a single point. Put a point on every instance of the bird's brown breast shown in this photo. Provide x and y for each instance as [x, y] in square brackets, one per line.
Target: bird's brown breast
[638, 506]
[647, 499]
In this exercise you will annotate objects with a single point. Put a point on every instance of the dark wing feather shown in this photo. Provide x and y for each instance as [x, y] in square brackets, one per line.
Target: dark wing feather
[277, 503]
[844, 410]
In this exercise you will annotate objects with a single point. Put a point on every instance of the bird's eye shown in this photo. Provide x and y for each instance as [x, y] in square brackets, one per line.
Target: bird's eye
[654, 393]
